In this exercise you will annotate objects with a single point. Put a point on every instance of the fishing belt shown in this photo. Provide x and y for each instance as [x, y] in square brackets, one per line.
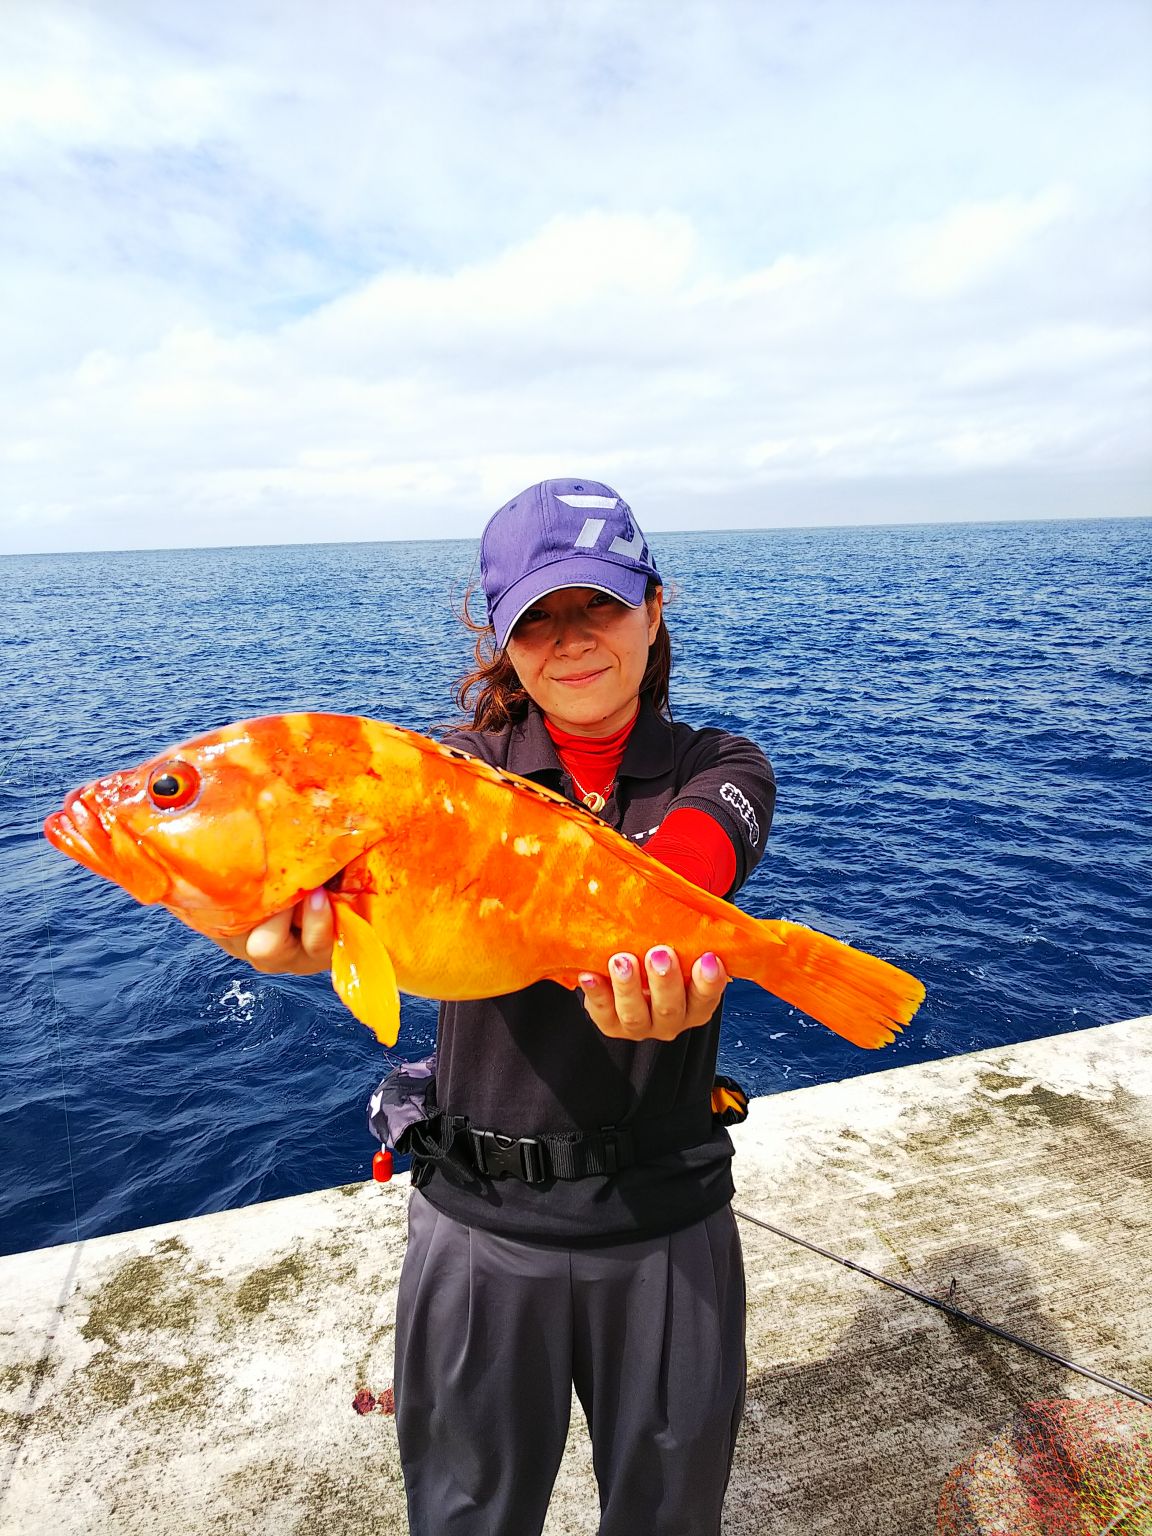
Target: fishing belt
[567, 1154]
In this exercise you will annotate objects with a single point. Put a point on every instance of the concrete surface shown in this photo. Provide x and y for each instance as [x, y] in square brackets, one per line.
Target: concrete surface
[198, 1377]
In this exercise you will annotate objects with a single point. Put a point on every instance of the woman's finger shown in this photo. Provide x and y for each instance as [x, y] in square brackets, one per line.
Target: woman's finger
[272, 945]
[601, 995]
[667, 1001]
[705, 989]
[599, 1004]
[628, 996]
[316, 928]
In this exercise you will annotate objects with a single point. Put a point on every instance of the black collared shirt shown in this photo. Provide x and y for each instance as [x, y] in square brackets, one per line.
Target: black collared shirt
[532, 1062]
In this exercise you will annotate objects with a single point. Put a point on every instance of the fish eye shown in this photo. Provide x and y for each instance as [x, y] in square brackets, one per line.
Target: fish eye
[173, 785]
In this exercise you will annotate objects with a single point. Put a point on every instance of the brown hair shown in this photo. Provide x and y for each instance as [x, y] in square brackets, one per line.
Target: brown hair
[494, 695]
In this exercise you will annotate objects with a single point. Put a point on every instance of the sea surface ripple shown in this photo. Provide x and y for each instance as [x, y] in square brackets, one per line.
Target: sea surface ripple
[959, 720]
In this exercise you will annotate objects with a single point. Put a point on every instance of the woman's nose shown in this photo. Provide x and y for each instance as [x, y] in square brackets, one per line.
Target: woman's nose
[574, 634]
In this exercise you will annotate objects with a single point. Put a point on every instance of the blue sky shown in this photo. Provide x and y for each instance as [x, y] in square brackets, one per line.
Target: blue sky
[283, 272]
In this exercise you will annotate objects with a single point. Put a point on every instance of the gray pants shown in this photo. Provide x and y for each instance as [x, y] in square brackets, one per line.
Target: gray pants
[491, 1334]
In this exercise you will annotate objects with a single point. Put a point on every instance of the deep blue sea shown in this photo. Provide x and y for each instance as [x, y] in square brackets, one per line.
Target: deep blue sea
[960, 718]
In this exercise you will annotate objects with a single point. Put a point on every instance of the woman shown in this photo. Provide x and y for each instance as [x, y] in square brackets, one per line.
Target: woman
[577, 1228]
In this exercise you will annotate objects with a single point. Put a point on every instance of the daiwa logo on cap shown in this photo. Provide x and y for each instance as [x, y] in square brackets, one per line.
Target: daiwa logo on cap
[589, 535]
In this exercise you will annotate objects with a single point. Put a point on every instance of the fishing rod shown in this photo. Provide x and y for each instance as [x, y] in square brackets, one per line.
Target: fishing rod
[950, 1310]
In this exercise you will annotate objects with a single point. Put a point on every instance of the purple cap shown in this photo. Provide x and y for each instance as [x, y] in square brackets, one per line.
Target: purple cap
[561, 533]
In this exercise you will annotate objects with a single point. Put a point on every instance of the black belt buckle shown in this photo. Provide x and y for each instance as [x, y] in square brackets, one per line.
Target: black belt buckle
[499, 1156]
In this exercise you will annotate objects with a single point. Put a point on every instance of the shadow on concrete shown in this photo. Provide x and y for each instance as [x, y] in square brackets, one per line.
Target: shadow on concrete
[861, 1442]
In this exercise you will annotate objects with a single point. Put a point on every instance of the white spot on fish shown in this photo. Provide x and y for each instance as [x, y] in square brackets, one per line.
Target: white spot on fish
[489, 905]
[503, 835]
[448, 806]
[593, 886]
[526, 845]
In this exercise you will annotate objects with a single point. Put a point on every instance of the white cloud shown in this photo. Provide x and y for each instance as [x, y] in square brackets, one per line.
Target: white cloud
[278, 277]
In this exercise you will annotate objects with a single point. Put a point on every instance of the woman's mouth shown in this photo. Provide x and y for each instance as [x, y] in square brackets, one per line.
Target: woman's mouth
[580, 679]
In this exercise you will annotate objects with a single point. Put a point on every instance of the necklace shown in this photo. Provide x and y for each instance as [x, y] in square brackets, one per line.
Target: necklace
[594, 799]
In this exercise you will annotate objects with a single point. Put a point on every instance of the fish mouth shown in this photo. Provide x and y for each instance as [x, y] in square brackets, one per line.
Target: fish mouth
[77, 831]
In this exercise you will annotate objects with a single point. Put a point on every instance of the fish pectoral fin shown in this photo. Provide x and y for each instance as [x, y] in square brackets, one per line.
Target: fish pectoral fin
[363, 976]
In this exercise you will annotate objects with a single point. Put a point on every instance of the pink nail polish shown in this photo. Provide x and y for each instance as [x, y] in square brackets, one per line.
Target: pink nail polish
[660, 960]
[622, 967]
[318, 900]
[710, 967]
[588, 981]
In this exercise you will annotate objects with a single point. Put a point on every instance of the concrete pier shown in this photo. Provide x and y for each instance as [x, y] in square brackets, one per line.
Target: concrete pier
[199, 1377]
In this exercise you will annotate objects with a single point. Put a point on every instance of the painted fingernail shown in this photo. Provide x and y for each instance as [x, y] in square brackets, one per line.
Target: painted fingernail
[710, 967]
[660, 960]
[318, 900]
[622, 967]
[588, 981]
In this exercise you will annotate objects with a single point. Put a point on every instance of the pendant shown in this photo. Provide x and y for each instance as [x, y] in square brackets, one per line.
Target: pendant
[594, 802]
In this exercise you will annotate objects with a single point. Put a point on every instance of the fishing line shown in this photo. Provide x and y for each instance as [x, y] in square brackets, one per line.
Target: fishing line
[951, 1311]
[43, 854]
[40, 1375]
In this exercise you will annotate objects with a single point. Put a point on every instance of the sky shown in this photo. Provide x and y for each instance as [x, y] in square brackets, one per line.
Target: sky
[290, 272]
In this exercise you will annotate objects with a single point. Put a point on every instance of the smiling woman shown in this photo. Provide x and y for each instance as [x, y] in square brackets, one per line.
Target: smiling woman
[572, 1187]
[584, 1213]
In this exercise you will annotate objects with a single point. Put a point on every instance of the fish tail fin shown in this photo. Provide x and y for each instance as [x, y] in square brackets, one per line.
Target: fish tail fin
[862, 998]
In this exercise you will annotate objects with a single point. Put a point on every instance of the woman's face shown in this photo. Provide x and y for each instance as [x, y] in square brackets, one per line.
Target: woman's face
[581, 656]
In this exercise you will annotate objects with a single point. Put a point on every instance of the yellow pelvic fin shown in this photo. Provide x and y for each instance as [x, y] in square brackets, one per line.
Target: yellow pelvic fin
[363, 976]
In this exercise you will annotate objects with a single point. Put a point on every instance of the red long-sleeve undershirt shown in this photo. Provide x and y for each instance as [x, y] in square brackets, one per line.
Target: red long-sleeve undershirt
[688, 840]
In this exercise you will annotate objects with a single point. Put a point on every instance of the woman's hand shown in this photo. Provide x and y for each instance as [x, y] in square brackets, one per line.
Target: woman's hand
[297, 941]
[653, 1003]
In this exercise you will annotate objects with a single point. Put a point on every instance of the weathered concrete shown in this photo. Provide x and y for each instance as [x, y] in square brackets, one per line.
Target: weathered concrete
[199, 1377]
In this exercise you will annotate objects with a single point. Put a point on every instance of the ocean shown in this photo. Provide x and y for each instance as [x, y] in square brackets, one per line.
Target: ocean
[960, 719]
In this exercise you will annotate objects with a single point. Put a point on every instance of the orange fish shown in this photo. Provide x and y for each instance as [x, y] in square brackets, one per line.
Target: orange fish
[449, 879]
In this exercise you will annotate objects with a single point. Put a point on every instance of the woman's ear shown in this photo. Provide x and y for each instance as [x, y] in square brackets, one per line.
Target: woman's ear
[655, 606]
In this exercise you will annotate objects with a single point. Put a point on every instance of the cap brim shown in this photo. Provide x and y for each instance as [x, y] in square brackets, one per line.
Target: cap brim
[601, 575]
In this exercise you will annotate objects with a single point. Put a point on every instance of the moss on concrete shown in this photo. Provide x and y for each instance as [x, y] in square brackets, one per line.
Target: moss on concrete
[148, 1291]
[17, 1374]
[333, 1503]
[279, 1282]
[150, 1386]
[143, 1316]
[109, 1379]
[374, 1349]
[186, 1389]
[311, 1501]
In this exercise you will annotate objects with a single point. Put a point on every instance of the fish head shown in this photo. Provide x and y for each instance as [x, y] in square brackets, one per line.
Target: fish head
[228, 828]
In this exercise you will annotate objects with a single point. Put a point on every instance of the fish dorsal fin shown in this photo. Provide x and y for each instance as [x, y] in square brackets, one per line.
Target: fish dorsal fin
[485, 770]
[363, 976]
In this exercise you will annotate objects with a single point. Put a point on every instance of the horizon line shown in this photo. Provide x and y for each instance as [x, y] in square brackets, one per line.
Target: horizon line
[957, 522]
